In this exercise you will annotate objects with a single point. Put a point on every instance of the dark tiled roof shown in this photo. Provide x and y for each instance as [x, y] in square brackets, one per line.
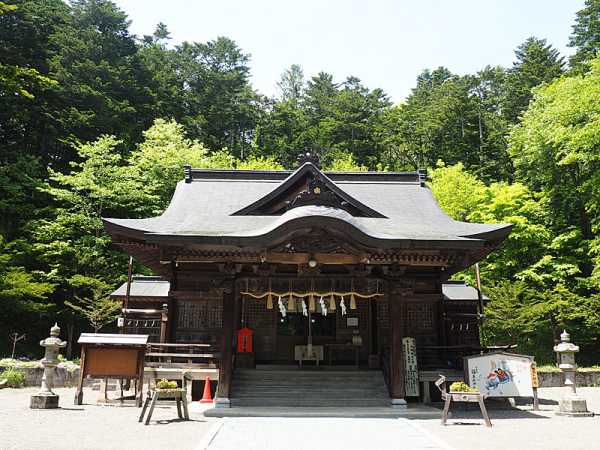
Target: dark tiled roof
[203, 209]
[460, 290]
[144, 287]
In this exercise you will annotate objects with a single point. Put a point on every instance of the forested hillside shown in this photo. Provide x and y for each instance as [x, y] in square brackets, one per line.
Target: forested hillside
[96, 122]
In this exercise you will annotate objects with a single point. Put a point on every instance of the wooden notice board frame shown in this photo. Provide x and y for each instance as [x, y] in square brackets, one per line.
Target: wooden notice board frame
[118, 356]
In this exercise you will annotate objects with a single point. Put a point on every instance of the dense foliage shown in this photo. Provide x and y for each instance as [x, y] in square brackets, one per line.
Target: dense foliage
[96, 122]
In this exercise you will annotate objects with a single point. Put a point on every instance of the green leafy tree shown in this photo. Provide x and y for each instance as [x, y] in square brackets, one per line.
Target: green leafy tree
[487, 90]
[555, 150]
[94, 302]
[585, 37]
[537, 63]
[157, 163]
[292, 85]
[221, 105]
[439, 122]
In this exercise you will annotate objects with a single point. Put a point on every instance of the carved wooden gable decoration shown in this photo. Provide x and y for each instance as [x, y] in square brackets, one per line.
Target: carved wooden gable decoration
[307, 186]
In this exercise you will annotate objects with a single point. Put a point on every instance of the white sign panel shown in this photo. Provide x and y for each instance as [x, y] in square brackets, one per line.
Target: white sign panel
[411, 370]
[501, 374]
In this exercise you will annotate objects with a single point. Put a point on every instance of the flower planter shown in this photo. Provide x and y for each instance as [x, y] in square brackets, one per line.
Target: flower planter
[466, 396]
[170, 393]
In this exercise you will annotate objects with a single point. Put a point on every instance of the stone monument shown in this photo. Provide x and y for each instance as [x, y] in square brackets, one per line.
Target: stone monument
[572, 405]
[45, 398]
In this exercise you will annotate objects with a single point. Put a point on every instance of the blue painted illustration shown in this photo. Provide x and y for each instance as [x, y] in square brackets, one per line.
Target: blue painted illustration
[499, 375]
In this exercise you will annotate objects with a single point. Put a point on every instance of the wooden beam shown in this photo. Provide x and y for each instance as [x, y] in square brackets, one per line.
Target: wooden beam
[320, 258]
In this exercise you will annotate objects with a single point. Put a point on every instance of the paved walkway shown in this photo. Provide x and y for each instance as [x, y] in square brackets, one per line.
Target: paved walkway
[278, 433]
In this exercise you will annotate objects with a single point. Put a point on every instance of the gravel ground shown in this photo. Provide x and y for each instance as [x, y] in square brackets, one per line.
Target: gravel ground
[98, 426]
[521, 427]
[94, 426]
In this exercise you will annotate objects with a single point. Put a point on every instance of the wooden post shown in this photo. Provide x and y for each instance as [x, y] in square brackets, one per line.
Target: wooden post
[79, 391]
[227, 331]
[397, 391]
[163, 323]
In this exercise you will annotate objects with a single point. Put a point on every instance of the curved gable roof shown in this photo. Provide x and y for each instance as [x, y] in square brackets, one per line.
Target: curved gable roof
[242, 208]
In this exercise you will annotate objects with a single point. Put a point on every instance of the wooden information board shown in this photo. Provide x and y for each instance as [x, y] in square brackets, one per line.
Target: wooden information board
[112, 356]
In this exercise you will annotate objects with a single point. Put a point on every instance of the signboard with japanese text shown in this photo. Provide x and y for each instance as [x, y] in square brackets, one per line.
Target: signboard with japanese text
[411, 370]
[500, 374]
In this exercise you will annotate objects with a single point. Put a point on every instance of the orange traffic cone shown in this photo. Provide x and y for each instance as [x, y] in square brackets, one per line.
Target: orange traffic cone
[206, 398]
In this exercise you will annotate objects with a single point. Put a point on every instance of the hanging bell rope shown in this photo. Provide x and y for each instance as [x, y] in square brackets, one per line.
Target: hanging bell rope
[270, 297]
[332, 299]
[352, 299]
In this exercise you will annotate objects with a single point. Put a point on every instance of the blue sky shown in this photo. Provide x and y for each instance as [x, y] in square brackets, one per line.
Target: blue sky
[385, 43]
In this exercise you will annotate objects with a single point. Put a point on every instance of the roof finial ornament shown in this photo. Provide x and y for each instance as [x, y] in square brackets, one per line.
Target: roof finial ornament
[422, 176]
[307, 156]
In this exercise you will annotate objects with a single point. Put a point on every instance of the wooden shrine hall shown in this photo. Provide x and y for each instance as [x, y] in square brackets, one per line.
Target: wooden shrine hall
[322, 267]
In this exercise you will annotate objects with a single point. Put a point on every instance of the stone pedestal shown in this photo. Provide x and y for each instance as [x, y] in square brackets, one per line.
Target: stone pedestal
[222, 403]
[398, 403]
[573, 407]
[44, 401]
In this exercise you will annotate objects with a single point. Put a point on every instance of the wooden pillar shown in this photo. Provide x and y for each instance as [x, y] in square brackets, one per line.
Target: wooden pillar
[163, 323]
[227, 330]
[397, 390]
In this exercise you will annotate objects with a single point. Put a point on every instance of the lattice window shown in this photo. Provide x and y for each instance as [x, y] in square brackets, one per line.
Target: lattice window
[361, 312]
[200, 315]
[191, 314]
[257, 316]
[215, 315]
[420, 316]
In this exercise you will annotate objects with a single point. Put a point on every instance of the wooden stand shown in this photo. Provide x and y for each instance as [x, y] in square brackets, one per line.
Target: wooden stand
[119, 356]
[470, 397]
[156, 394]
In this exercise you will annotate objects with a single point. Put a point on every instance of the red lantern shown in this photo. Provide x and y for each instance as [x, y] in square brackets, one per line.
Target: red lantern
[244, 340]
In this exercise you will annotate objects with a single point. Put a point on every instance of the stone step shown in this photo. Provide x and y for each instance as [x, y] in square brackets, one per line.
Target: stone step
[301, 389]
[309, 388]
[312, 395]
[299, 403]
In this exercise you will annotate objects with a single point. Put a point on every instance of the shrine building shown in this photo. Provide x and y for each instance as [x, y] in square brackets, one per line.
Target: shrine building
[322, 268]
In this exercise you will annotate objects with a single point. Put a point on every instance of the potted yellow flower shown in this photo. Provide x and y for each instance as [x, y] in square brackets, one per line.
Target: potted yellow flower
[460, 391]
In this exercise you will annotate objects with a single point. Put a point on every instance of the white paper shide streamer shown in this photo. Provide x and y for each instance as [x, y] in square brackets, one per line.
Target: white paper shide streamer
[323, 306]
[282, 308]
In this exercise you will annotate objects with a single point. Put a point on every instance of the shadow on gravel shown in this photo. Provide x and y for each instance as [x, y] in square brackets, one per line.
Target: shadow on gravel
[496, 409]
[171, 421]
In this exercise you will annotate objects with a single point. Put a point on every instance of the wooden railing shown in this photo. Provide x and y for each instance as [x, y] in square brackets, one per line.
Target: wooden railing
[181, 355]
[434, 357]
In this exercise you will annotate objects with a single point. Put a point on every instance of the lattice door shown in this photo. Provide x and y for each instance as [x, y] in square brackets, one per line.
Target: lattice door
[263, 322]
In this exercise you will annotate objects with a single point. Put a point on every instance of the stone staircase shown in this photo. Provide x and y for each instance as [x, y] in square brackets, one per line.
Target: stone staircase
[290, 386]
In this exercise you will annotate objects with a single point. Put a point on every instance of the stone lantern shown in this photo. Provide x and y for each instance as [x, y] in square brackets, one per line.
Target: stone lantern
[572, 404]
[45, 398]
